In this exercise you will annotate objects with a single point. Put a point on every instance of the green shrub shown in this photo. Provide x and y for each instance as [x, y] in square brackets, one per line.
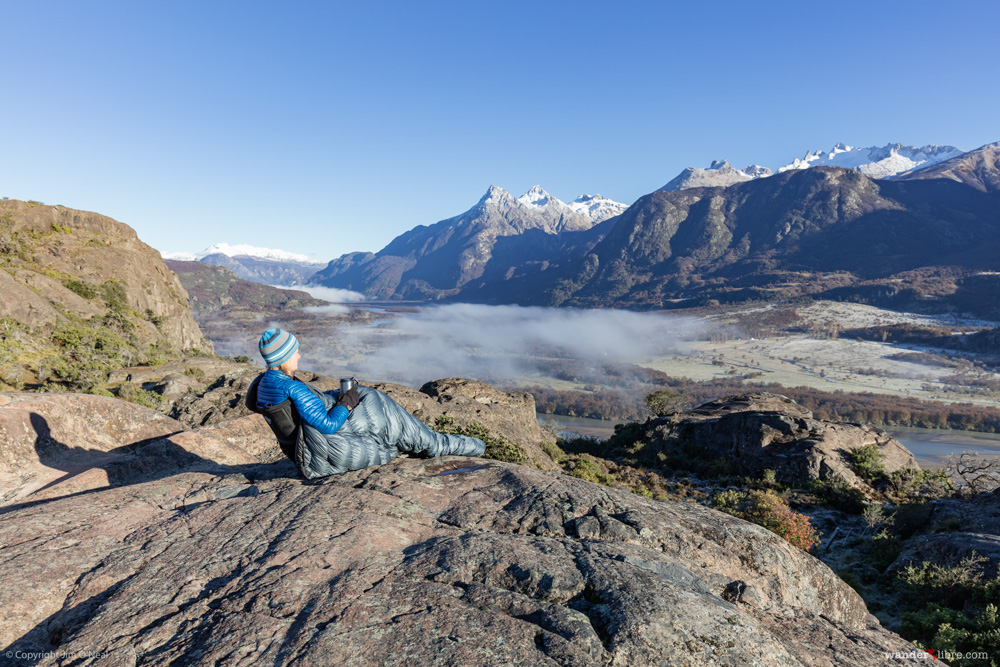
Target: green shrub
[554, 452]
[12, 241]
[877, 518]
[952, 609]
[157, 320]
[498, 447]
[884, 550]
[767, 509]
[115, 297]
[867, 463]
[914, 484]
[664, 402]
[840, 495]
[87, 356]
[81, 288]
[133, 394]
[949, 586]
[587, 469]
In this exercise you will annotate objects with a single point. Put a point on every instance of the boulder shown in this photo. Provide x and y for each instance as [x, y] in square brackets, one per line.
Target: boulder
[174, 385]
[420, 561]
[762, 431]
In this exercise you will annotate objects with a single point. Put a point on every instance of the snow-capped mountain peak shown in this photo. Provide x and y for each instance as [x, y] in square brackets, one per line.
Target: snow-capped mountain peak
[241, 250]
[887, 161]
[536, 197]
[876, 161]
[757, 171]
[597, 207]
[495, 194]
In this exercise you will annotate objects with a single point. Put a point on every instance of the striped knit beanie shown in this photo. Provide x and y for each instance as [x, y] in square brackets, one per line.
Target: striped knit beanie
[277, 346]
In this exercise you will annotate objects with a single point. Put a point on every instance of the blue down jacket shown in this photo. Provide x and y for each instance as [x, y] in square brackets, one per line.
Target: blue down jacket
[377, 430]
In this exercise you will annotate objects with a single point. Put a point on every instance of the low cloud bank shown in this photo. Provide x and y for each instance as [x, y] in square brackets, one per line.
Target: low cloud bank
[507, 343]
[331, 294]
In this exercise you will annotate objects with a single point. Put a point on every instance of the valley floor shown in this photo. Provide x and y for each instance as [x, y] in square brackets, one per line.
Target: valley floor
[827, 363]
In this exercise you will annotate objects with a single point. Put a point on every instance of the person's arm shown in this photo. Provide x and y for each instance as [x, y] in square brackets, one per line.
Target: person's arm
[313, 412]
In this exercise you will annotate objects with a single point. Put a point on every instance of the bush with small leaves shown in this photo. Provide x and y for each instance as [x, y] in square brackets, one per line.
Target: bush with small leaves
[664, 402]
[80, 288]
[498, 447]
[767, 509]
[133, 394]
[867, 462]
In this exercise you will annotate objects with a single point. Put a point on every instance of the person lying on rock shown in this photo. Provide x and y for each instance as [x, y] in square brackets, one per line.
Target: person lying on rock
[325, 433]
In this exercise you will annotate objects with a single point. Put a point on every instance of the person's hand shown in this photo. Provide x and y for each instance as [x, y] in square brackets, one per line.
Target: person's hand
[350, 400]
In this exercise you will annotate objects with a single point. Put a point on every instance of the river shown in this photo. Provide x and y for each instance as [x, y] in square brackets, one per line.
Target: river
[931, 447]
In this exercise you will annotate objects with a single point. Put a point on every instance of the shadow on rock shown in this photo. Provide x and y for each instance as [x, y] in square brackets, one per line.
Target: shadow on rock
[88, 470]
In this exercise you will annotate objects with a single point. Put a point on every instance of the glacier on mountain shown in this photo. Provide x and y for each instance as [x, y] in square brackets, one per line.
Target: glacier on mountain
[241, 250]
[876, 161]
[889, 161]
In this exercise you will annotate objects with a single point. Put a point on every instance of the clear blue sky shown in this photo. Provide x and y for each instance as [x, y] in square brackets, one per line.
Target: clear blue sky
[323, 127]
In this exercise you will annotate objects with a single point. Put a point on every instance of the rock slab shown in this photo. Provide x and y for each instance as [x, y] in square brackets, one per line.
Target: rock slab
[422, 561]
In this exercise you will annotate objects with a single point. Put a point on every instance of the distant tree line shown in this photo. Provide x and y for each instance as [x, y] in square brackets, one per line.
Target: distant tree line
[627, 402]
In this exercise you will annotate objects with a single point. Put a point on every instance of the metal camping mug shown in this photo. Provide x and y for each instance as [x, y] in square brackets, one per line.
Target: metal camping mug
[346, 384]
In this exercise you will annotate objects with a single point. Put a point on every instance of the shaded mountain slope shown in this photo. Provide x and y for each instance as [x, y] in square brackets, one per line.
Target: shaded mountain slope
[979, 169]
[438, 261]
[792, 228]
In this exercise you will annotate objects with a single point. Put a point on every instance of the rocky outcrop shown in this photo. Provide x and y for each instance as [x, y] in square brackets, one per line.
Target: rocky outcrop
[51, 443]
[763, 431]
[215, 392]
[439, 561]
[43, 247]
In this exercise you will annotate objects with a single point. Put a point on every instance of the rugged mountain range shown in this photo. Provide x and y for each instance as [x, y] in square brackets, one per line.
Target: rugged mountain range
[256, 264]
[797, 232]
[438, 261]
[889, 161]
[821, 230]
[876, 161]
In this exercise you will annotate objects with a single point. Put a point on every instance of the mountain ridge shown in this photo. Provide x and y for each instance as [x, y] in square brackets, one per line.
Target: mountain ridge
[889, 161]
[674, 245]
[437, 261]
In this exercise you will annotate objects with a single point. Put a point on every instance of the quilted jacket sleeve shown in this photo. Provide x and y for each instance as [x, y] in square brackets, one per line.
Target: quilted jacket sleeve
[312, 411]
